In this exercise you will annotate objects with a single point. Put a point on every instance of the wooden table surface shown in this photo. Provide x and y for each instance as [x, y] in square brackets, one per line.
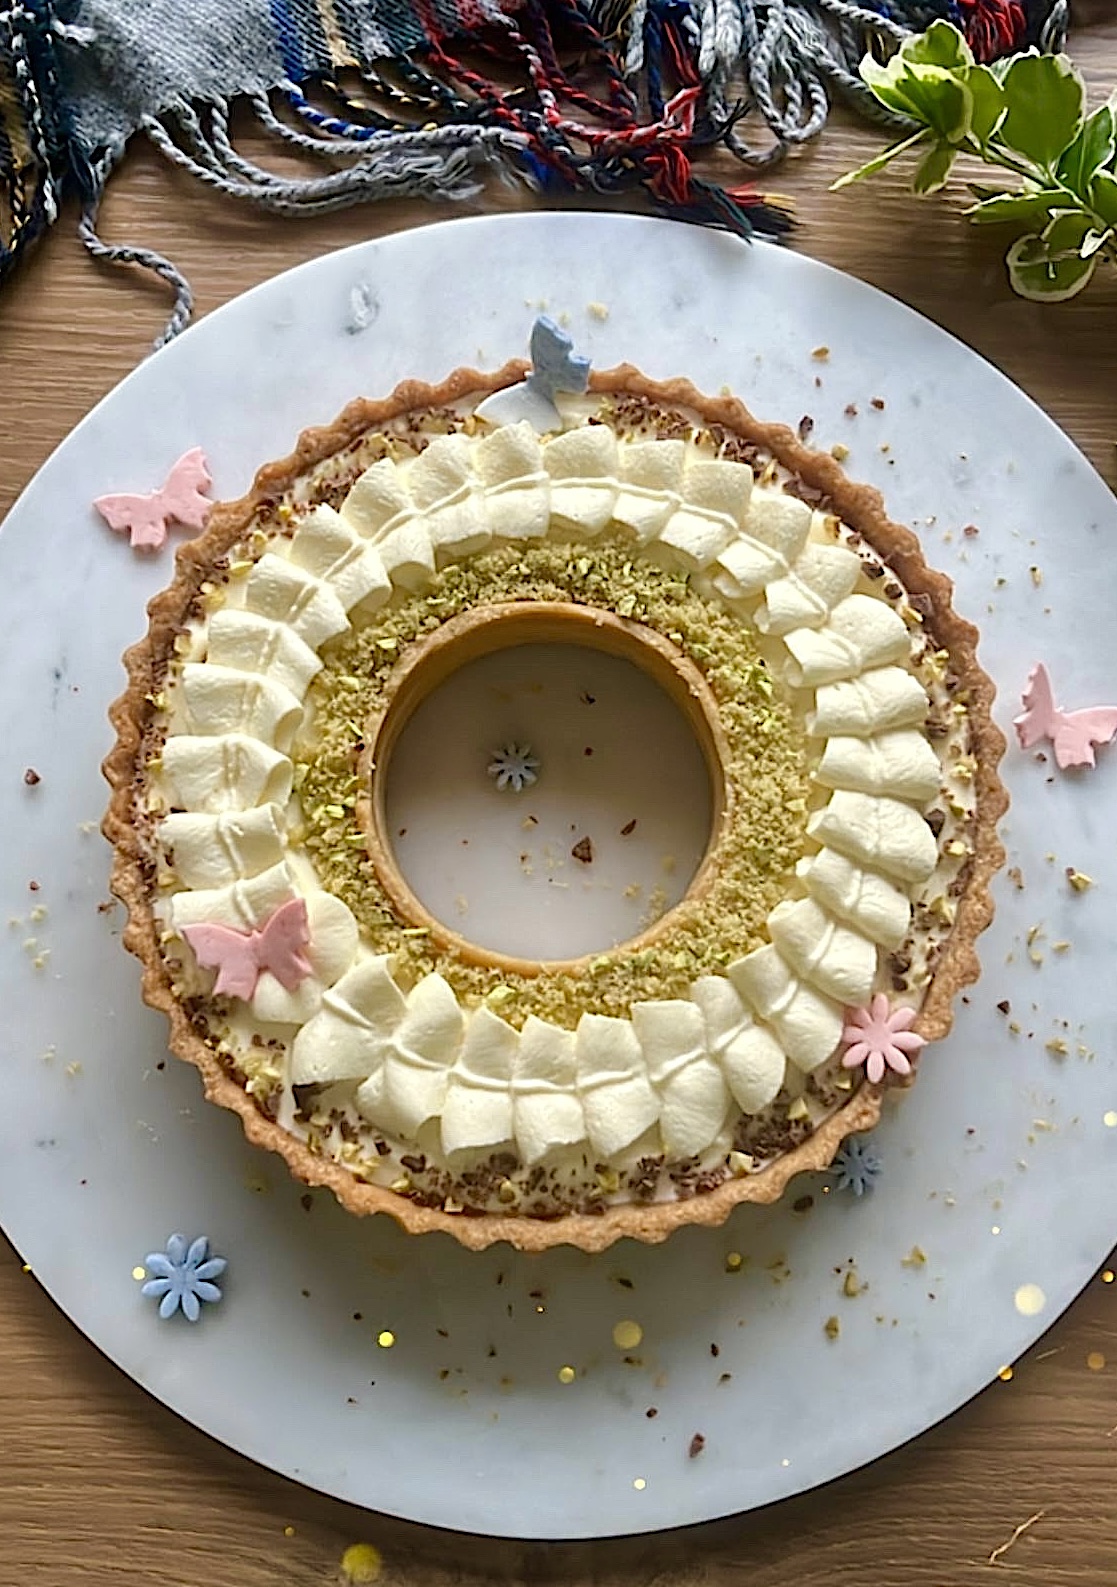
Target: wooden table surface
[101, 1486]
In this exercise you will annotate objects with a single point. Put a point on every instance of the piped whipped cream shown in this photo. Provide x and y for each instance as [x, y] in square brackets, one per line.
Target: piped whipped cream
[411, 1063]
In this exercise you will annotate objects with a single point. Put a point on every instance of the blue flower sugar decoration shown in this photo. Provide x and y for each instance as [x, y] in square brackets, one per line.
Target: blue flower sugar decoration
[856, 1165]
[514, 767]
[182, 1276]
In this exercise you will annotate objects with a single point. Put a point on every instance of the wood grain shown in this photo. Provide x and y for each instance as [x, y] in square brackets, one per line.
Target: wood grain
[101, 1486]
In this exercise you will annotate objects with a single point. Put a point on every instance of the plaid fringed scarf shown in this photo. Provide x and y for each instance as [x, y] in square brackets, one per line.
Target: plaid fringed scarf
[398, 97]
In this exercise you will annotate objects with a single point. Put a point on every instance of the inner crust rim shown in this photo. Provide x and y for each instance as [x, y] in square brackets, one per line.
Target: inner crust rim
[860, 506]
[482, 631]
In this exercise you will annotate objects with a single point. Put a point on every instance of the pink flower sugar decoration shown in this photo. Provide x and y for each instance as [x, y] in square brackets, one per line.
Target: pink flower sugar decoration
[881, 1038]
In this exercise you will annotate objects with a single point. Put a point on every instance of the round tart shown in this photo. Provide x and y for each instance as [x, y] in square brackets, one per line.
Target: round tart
[743, 1033]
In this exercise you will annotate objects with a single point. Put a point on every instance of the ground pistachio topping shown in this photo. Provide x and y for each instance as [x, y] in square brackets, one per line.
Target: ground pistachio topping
[767, 769]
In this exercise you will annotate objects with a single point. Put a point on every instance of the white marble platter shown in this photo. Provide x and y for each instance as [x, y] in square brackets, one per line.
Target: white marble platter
[999, 1166]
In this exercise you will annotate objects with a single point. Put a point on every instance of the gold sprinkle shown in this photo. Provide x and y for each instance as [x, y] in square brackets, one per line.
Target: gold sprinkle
[734, 1262]
[566, 1374]
[916, 1257]
[785, 1462]
[360, 1564]
[820, 353]
[1110, 1120]
[1078, 880]
[639, 1484]
[385, 1339]
[288, 1531]
[627, 1335]
[139, 1273]
[839, 451]
[1030, 1300]
[996, 1229]
[507, 1191]
[1006, 1374]
[1108, 1276]
[1095, 1361]
[831, 1327]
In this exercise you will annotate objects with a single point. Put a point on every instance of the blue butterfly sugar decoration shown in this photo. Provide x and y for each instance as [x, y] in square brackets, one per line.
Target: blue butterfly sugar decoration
[555, 366]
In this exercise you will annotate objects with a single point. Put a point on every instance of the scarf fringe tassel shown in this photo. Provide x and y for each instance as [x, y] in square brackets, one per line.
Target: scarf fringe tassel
[670, 78]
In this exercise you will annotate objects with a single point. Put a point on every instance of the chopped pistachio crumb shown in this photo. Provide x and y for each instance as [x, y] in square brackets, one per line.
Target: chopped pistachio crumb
[852, 1285]
[831, 1327]
[916, 1257]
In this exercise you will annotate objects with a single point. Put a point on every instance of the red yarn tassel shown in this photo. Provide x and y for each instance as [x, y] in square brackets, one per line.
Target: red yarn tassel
[993, 27]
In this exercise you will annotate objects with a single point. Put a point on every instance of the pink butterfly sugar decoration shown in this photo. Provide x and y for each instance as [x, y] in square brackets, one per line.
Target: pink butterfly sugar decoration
[241, 957]
[881, 1038]
[1072, 733]
[180, 500]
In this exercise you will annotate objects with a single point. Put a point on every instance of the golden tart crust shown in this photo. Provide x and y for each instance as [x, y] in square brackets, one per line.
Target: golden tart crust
[859, 506]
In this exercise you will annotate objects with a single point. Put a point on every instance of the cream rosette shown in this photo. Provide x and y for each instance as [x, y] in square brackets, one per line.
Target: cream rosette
[678, 1071]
